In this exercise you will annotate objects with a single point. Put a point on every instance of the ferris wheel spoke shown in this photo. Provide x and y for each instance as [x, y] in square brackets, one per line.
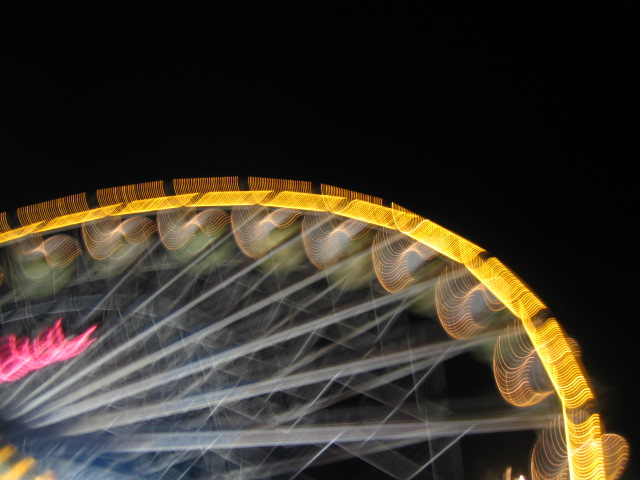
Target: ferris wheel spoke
[266, 333]
[142, 336]
[214, 361]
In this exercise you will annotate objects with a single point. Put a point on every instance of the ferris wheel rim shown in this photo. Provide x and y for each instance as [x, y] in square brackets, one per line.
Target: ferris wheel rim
[567, 375]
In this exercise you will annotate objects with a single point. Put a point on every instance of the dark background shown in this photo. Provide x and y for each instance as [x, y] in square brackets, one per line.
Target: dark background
[510, 127]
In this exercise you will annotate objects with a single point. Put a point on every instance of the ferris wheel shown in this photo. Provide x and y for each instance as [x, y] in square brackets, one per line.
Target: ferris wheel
[275, 330]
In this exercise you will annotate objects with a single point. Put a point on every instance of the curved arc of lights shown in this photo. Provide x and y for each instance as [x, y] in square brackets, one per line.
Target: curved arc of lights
[390, 253]
[102, 238]
[549, 340]
[178, 226]
[515, 363]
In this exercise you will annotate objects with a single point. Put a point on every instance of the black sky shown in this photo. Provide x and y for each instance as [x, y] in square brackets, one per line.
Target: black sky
[506, 126]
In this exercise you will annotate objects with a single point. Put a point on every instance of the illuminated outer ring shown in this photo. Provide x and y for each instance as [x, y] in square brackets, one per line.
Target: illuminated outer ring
[563, 368]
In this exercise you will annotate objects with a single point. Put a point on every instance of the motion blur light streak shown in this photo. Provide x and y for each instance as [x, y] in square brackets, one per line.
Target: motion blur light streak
[264, 333]
[19, 356]
[518, 371]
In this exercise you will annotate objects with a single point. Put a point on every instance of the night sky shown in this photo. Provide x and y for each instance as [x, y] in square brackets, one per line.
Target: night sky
[507, 127]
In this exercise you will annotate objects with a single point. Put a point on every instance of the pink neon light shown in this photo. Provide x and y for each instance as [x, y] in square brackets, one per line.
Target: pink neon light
[20, 356]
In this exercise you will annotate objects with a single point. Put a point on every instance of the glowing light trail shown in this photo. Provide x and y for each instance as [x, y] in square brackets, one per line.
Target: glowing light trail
[264, 317]
[20, 356]
[321, 434]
